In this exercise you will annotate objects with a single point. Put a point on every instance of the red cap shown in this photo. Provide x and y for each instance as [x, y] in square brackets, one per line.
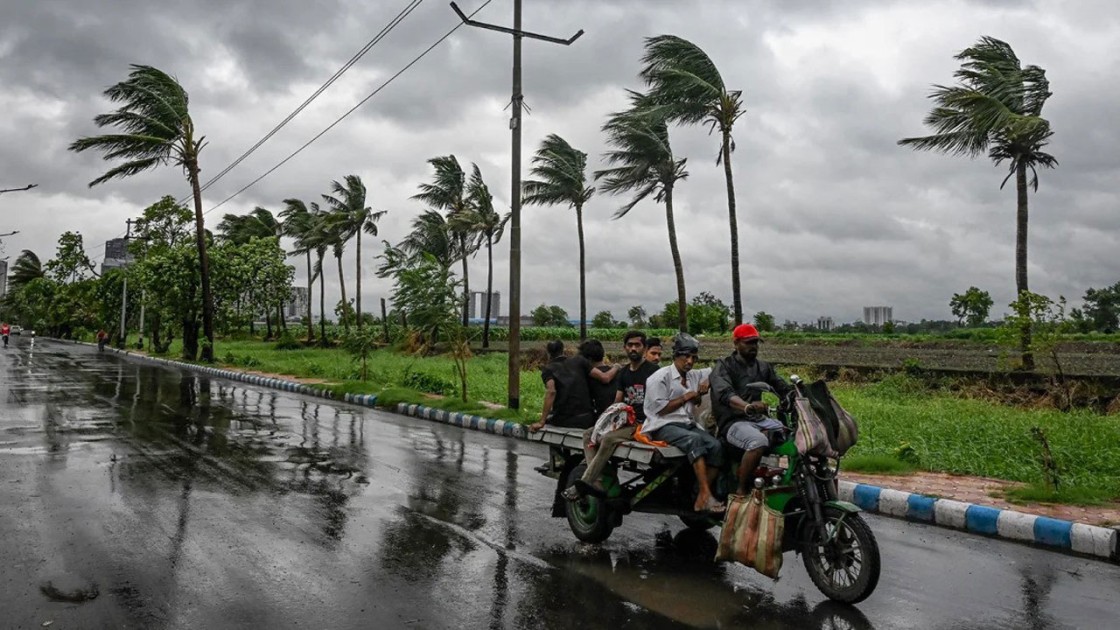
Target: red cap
[745, 331]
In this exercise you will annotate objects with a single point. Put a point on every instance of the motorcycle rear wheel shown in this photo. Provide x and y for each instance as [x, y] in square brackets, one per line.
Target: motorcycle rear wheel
[846, 566]
[588, 518]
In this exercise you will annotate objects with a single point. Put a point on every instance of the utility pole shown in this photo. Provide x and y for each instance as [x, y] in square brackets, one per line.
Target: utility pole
[514, 401]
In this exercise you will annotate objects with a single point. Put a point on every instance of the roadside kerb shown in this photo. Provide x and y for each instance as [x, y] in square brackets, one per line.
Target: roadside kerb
[1043, 531]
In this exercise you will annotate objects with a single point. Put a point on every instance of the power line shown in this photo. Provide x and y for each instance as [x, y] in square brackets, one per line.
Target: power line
[348, 112]
[404, 13]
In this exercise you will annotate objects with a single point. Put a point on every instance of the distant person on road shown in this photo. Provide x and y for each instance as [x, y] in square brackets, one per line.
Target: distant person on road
[672, 394]
[740, 411]
[102, 339]
[5, 331]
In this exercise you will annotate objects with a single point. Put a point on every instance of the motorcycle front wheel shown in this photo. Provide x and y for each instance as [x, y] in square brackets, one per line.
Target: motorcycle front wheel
[845, 566]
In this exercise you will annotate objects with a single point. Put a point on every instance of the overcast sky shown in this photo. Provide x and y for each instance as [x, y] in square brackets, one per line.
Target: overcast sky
[833, 215]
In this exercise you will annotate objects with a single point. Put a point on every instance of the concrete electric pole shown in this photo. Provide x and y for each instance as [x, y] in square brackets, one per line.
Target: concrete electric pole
[514, 401]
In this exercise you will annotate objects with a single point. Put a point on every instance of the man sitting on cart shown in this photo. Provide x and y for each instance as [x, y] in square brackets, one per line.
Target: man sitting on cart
[739, 410]
[672, 394]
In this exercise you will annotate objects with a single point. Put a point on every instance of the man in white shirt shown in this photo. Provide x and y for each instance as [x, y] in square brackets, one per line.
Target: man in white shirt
[672, 395]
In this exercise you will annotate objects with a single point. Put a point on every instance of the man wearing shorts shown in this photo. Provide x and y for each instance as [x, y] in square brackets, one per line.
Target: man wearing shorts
[672, 394]
[740, 412]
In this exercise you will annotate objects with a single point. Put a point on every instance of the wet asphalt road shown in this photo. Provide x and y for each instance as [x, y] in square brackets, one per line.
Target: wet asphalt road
[145, 497]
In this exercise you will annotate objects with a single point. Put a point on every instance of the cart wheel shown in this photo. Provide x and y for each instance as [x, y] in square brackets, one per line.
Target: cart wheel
[589, 518]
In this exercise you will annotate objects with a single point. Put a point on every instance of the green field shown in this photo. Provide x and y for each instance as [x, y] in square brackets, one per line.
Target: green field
[933, 429]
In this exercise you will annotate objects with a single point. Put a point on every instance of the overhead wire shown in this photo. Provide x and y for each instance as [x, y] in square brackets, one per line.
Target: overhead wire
[411, 6]
[348, 112]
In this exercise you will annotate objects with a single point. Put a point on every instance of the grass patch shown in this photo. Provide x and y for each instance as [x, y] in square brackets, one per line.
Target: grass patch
[1040, 493]
[973, 437]
[878, 464]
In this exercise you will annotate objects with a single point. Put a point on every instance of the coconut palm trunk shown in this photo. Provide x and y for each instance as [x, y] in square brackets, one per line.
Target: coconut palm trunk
[203, 261]
[733, 221]
[466, 281]
[322, 305]
[678, 266]
[583, 274]
[342, 286]
[358, 283]
[1021, 286]
[310, 316]
[489, 289]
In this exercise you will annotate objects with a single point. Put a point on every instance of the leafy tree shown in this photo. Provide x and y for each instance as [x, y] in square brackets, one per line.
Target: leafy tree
[683, 80]
[642, 162]
[260, 223]
[996, 108]
[427, 292]
[637, 316]
[764, 321]
[430, 235]
[972, 306]
[70, 262]
[549, 316]
[561, 179]
[448, 191]
[352, 216]
[156, 129]
[603, 319]
[1102, 308]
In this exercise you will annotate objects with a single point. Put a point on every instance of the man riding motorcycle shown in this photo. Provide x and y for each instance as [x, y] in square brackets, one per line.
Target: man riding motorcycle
[739, 410]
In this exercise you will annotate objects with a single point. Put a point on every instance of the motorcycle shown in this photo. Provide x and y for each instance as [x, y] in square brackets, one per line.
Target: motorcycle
[838, 548]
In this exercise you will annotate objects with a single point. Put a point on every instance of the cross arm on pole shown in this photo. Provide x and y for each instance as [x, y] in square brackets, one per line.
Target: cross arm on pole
[513, 31]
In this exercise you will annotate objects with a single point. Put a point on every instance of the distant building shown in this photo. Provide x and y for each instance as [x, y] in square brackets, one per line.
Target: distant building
[824, 323]
[877, 315]
[116, 254]
[477, 307]
[295, 309]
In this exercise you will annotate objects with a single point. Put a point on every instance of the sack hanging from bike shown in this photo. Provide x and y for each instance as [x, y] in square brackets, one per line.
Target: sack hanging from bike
[752, 534]
[823, 427]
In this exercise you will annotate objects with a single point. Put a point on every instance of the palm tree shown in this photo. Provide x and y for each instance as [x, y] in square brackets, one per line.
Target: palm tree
[156, 129]
[298, 223]
[682, 78]
[26, 268]
[312, 232]
[240, 229]
[489, 226]
[431, 234]
[642, 162]
[353, 216]
[448, 191]
[561, 176]
[996, 108]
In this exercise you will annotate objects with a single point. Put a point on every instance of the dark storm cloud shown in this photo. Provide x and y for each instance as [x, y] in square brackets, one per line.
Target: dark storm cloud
[833, 214]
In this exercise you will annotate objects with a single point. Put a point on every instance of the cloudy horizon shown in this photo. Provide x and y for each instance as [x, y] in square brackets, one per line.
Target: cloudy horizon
[833, 215]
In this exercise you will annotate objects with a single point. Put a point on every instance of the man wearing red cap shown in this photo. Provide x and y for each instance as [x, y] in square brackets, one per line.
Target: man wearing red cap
[739, 410]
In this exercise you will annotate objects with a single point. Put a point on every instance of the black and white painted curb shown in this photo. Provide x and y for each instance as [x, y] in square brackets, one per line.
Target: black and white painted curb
[1042, 531]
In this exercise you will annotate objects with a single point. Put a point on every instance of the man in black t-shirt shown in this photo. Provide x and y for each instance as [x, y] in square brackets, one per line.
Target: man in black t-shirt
[567, 401]
[632, 378]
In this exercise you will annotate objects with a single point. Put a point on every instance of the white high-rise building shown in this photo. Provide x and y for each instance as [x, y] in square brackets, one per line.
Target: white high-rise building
[877, 315]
